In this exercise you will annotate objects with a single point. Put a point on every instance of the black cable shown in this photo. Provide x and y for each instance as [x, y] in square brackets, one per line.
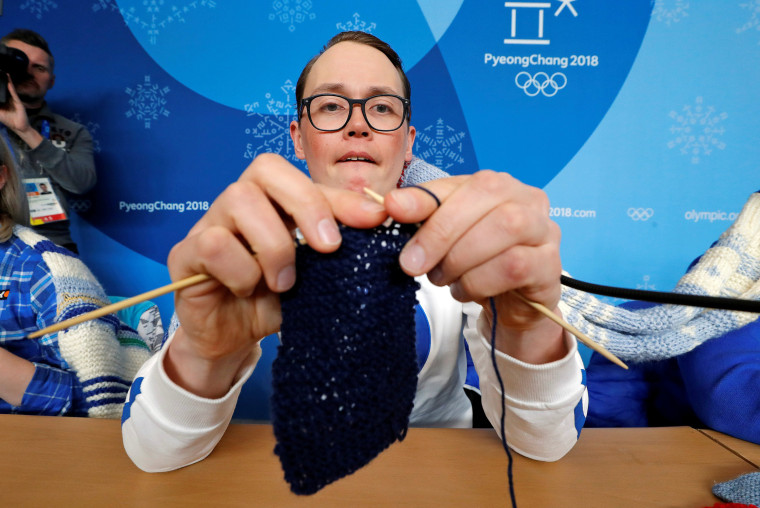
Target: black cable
[709, 302]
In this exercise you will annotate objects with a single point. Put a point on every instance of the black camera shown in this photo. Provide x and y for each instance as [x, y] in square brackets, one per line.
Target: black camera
[13, 63]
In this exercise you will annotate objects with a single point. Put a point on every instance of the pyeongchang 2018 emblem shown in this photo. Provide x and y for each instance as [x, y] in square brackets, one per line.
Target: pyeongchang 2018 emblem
[527, 27]
[553, 69]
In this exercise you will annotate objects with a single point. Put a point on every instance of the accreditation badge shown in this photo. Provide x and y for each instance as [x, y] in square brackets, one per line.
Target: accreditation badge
[44, 206]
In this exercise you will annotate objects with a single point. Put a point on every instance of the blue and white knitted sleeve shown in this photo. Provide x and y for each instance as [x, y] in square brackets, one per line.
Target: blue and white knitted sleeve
[730, 268]
[104, 354]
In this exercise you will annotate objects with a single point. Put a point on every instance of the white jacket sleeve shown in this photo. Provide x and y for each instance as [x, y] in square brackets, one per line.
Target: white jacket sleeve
[546, 405]
[165, 427]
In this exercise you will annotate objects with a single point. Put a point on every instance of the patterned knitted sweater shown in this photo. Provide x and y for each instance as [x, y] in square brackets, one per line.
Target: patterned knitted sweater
[103, 354]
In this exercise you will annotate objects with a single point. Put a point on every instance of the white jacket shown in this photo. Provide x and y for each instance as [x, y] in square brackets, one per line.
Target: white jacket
[164, 427]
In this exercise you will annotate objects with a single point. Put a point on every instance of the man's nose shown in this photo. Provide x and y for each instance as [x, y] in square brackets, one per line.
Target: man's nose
[357, 125]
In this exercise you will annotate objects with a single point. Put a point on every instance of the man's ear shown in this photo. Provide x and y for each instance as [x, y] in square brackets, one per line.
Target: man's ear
[295, 135]
[410, 143]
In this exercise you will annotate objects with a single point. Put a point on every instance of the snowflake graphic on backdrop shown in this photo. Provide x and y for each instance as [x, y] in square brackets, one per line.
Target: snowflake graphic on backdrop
[147, 102]
[292, 12]
[754, 21]
[356, 24]
[670, 11]
[152, 16]
[105, 5]
[270, 129]
[645, 285]
[38, 7]
[440, 145]
[92, 128]
[698, 130]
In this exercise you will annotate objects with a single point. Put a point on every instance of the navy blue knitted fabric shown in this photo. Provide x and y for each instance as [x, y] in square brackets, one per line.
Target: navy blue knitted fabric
[345, 376]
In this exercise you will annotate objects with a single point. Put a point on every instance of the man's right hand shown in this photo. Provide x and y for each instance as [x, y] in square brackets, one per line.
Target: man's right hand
[245, 242]
[13, 116]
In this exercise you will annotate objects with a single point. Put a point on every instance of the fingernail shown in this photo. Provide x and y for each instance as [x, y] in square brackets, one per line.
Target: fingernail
[328, 232]
[286, 278]
[412, 258]
[435, 275]
[456, 290]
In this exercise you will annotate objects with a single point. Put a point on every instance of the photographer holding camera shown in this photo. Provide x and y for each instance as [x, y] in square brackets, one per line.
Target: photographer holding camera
[49, 148]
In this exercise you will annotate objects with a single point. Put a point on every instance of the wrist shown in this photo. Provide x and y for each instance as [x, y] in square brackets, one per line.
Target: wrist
[542, 342]
[201, 375]
[30, 136]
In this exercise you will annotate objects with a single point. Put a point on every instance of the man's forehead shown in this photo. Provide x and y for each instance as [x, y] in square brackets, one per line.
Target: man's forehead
[352, 68]
[35, 54]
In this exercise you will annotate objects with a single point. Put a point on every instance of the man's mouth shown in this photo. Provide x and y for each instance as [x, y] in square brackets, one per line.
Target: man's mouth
[357, 158]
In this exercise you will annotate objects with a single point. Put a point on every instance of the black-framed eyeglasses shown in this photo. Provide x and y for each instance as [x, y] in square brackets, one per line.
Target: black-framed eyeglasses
[331, 112]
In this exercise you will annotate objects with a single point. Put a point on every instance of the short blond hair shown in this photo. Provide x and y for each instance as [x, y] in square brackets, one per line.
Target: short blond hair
[13, 206]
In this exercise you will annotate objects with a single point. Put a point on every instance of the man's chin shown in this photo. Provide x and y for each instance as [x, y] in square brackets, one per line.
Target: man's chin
[28, 99]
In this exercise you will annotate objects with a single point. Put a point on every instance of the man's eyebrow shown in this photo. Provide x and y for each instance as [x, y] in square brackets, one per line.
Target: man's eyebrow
[341, 88]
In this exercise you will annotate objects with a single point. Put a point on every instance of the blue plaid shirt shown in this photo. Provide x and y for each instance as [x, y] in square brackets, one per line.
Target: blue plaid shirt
[28, 302]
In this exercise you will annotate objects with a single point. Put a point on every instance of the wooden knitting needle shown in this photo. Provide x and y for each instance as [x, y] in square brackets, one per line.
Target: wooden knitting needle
[123, 304]
[583, 338]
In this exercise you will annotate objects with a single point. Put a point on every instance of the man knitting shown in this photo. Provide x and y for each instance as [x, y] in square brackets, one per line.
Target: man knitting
[491, 235]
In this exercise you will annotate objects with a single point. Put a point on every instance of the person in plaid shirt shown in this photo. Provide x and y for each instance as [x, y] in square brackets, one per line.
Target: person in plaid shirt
[83, 371]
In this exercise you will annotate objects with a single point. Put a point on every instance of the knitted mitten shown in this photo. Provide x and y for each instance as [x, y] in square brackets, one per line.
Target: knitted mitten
[345, 375]
[730, 268]
[744, 489]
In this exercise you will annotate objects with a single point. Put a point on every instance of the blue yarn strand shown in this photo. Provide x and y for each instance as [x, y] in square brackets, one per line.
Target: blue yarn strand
[503, 405]
[498, 376]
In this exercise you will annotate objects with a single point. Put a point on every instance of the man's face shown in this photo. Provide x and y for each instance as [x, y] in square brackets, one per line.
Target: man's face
[32, 91]
[356, 71]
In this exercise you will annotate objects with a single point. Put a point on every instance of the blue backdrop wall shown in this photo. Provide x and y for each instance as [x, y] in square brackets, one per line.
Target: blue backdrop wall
[636, 116]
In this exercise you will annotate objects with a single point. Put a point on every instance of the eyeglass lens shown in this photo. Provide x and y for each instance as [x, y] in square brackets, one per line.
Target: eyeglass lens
[330, 112]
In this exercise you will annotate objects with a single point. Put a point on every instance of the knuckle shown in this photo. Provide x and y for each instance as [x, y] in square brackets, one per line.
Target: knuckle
[489, 180]
[540, 198]
[514, 268]
[555, 234]
[212, 242]
[236, 192]
[512, 220]
[437, 231]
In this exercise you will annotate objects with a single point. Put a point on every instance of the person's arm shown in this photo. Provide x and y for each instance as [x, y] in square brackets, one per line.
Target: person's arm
[32, 387]
[15, 375]
[37, 388]
[165, 427]
[545, 404]
[73, 168]
[721, 377]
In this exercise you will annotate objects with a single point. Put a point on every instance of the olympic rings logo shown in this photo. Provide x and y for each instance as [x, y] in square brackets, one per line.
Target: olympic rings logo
[641, 214]
[80, 205]
[541, 82]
